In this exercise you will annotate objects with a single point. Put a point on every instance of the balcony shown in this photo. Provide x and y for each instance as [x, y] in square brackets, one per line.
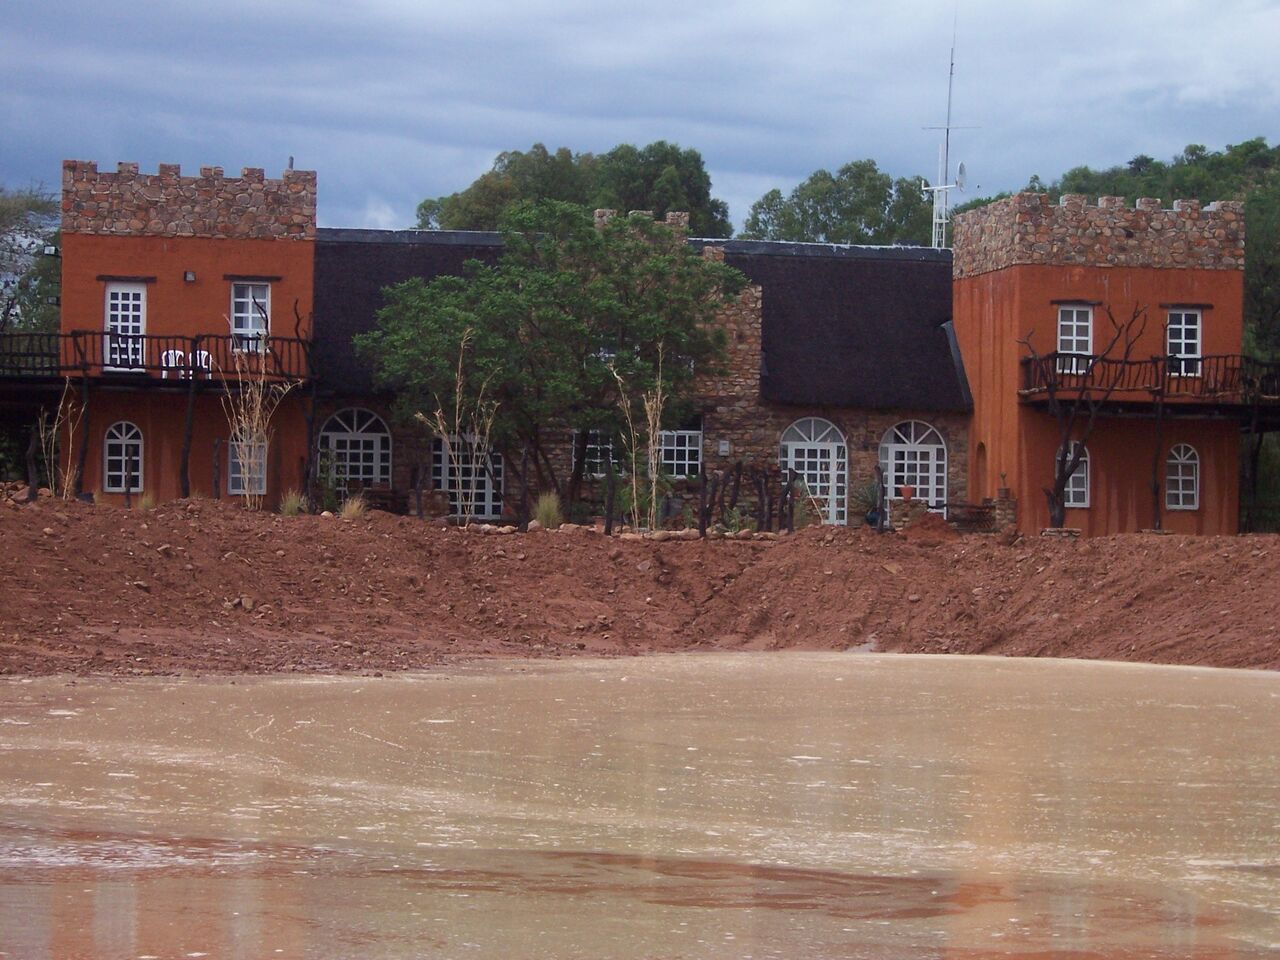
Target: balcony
[149, 360]
[1224, 381]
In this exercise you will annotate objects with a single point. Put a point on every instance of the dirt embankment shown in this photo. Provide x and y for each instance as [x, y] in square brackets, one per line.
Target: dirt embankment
[205, 586]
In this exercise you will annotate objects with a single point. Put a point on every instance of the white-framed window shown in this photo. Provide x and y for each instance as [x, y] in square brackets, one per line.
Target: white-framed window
[681, 451]
[1182, 478]
[601, 450]
[250, 314]
[1184, 343]
[816, 450]
[246, 466]
[1075, 336]
[913, 453]
[125, 325]
[356, 447]
[1076, 492]
[474, 486]
[122, 458]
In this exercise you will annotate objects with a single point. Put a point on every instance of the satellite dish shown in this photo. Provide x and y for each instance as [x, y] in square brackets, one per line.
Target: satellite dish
[960, 175]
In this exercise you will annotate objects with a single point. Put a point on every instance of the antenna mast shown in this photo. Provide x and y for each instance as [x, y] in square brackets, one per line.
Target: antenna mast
[941, 188]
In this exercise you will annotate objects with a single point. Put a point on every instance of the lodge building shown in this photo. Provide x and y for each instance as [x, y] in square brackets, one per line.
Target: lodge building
[956, 373]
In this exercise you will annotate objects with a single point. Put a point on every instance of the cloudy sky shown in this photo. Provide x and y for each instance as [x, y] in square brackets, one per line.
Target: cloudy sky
[395, 100]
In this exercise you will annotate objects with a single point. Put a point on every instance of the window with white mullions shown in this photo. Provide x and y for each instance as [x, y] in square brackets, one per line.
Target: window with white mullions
[122, 458]
[355, 447]
[816, 450]
[913, 454]
[1182, 478]
[681, 451]
[1076, 492]
[250, 315]
[1075, 336]
[601, 451]
[1183, 343]
[472, 480]
[246, 466]
[125, 326]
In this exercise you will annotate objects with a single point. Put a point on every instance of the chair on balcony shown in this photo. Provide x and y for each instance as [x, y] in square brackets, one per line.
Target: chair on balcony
[175, 362]
[201, 363]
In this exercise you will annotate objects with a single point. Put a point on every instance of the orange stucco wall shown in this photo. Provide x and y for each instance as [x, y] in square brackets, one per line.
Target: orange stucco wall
[992, 311]
[162, 416]
[178, 307]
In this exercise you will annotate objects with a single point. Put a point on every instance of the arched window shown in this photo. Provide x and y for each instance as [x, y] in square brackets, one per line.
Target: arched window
[1076, 493]
[122, 458]
[816, 450]
[1182, 478]
[355, 447]
[913, 454]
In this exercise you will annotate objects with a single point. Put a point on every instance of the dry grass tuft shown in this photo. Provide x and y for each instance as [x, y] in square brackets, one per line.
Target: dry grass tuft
[354, 508]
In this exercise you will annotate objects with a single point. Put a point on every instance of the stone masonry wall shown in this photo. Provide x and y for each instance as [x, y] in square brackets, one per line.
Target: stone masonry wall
[1028, 229]
[167, 204]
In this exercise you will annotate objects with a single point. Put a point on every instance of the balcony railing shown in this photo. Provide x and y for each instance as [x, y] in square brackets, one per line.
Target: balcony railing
[1222, 378]
[100, 354]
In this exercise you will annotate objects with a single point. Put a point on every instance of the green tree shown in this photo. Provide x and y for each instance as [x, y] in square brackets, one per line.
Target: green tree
[661, 177]
[858, 204]
[566, 307]
[27, 280]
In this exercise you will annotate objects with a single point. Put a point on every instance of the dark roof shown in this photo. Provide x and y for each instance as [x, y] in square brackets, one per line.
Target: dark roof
[844, 326]
[351, 269]
[848, 326]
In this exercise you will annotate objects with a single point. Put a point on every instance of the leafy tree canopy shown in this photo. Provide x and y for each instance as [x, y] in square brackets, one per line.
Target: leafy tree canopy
[858, 204]
[660, 177]
[566, 306]
[27, 280]
[1248, 171]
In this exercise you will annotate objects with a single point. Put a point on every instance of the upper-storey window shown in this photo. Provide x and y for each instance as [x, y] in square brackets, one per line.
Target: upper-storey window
[250, 314]
[125, 324]
[1075, 336]
[1183, 342]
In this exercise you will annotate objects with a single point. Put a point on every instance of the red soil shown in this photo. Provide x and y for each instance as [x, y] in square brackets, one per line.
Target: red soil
[205, 586]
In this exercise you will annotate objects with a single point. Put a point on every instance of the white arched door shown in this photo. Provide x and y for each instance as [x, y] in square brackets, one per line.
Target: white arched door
[815, 449]
[356, 447]
[914, 454]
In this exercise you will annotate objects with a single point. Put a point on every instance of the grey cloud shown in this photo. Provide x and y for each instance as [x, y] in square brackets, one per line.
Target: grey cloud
[392, 102]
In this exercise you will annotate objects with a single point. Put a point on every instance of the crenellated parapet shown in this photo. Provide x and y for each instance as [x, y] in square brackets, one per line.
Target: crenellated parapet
[167, 204]
[1028, 229]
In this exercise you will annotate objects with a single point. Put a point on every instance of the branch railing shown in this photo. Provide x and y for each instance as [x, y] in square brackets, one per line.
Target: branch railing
[1218, 377]
[97, 353]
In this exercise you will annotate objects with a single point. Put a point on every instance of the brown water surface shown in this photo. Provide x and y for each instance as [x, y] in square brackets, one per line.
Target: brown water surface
[781, 805]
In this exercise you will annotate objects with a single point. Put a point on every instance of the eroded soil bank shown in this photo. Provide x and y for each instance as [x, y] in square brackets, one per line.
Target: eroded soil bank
[204, 586]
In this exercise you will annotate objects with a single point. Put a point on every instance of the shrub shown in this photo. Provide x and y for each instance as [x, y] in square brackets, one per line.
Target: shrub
[147, 502]
[353, 508]
[293, 502]
[547, 511]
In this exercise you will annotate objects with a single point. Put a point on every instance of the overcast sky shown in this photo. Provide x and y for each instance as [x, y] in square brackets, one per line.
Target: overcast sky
[392, 101]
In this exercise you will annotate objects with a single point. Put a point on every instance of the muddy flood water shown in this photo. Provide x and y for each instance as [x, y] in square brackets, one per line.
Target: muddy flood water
[780, 805]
